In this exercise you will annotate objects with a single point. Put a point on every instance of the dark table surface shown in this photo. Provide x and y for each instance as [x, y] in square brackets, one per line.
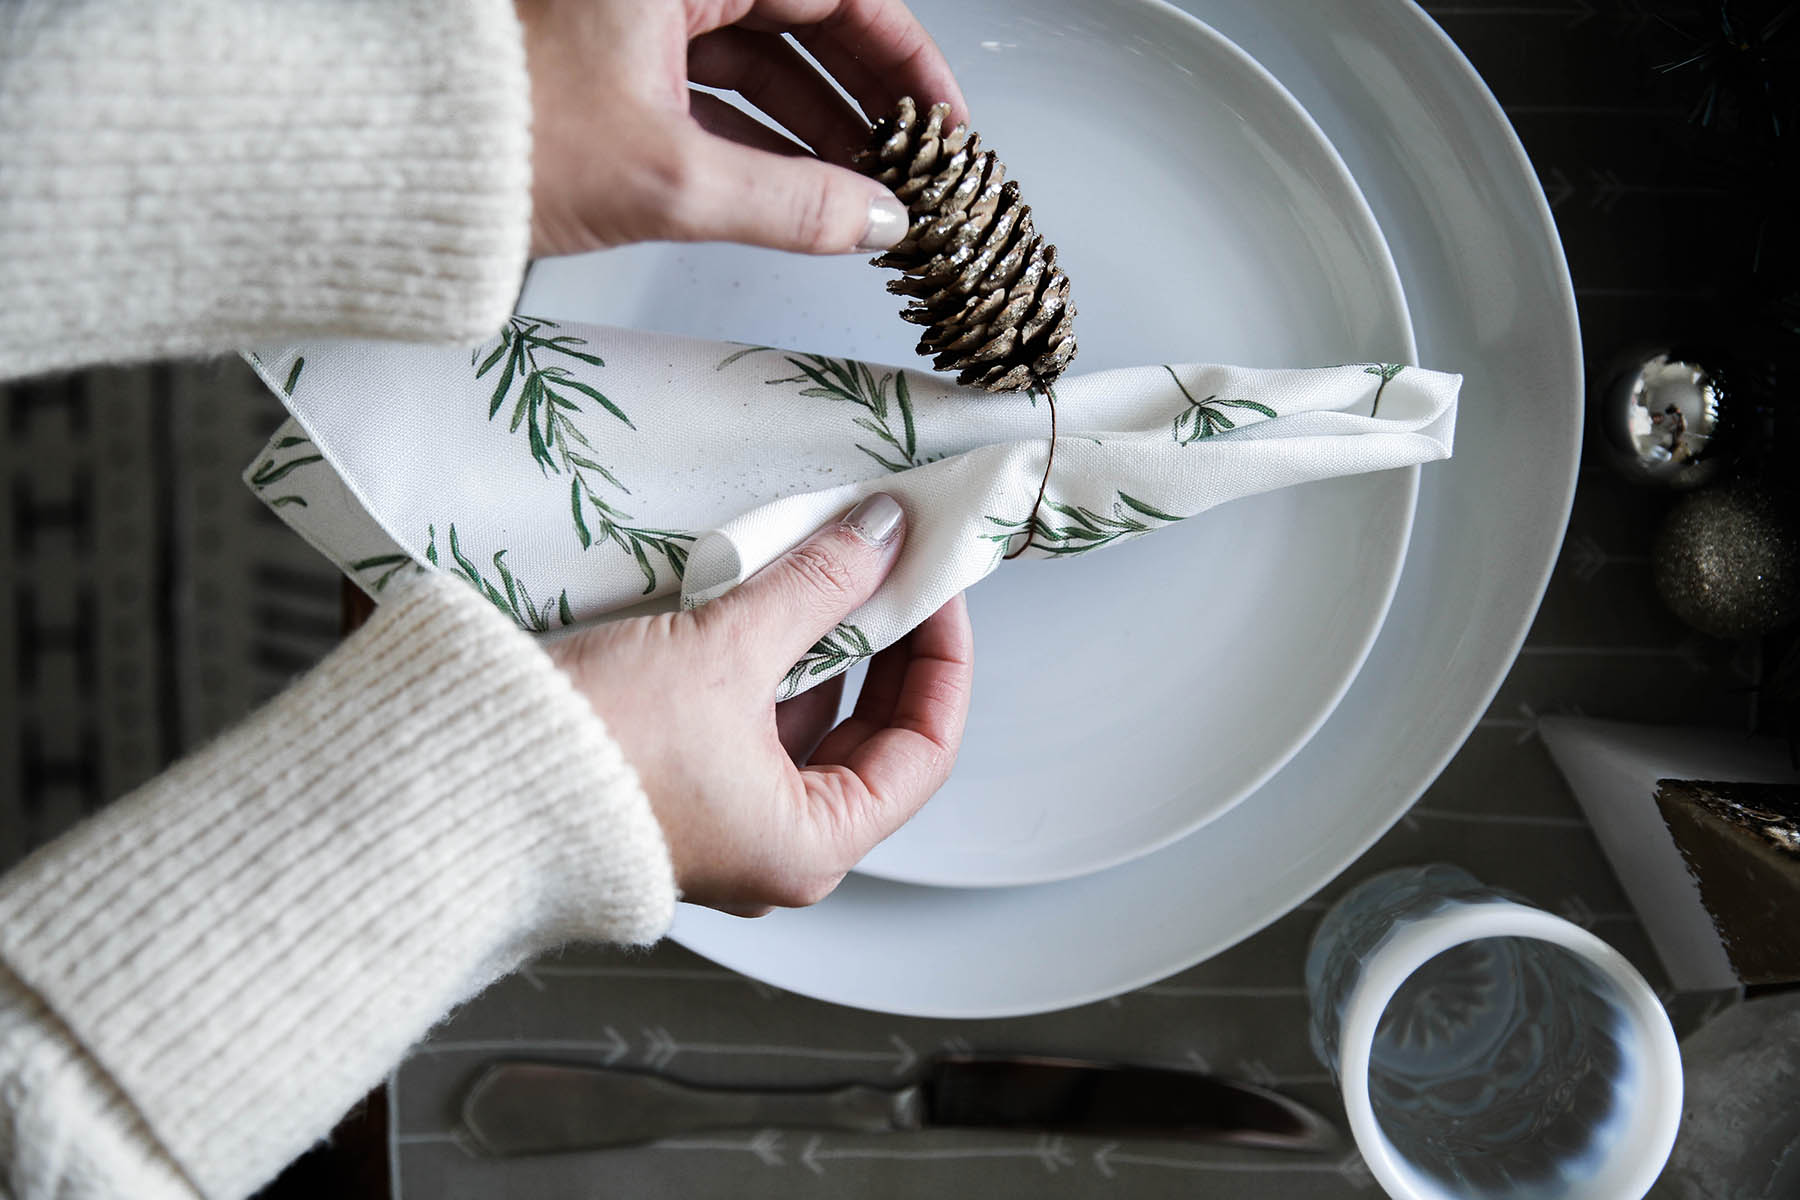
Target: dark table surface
[190, 608]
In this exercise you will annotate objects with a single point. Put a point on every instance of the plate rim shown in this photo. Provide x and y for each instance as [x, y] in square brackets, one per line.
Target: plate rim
[1536, 221]
[1387, 273]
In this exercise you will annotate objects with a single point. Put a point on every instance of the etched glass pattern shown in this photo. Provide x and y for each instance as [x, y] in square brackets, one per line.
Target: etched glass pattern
[1500, 1068]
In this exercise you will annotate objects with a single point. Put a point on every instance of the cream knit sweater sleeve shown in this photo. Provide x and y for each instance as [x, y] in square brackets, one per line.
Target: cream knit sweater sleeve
[190, 176]
[197, 983]
[204, 977]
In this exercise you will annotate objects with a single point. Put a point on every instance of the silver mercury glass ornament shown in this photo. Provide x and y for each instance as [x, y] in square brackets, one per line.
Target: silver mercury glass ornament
[1660, 421]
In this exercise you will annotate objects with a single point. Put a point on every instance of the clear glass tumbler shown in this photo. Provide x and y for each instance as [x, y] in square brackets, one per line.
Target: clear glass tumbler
[1488, 1050]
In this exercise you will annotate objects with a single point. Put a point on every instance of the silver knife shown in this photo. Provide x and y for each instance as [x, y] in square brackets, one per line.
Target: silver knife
[518, 1107]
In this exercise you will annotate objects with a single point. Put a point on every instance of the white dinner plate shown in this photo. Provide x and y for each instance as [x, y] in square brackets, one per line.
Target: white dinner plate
[1490, 297]
[1123, 699]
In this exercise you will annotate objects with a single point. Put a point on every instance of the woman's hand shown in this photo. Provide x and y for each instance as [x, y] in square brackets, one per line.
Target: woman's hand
[623, 151]
[764, 804]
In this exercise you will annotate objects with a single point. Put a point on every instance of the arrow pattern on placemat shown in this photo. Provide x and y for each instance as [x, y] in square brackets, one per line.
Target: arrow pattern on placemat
[537, 973]
[1050, 1152]
[661, 1048]
[1523, 820]
[450, 1137]
[1605, 188]
[1218, 991]
[765, 1144]
[1690, 652]
[1109, 1158]
[1260, 1073]
[1588, 558]
[1572, 13]
[611, 1046]
[1526, 723]
[1609, 189]
[1556, 185]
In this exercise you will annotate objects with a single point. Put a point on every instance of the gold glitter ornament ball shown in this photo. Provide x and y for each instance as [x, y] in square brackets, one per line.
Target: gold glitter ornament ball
[1727, 561]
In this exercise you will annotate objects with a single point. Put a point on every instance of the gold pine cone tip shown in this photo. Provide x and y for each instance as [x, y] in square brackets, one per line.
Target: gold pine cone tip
[980, 278]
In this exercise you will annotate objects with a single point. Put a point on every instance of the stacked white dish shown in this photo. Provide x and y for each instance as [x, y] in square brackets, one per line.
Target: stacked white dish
[1164, 757]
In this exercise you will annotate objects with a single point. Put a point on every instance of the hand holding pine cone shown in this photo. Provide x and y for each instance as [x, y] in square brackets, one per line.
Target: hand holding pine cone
[983, 280]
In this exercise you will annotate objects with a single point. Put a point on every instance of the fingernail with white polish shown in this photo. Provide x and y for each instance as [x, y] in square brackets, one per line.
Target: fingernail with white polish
[876, 519]
[887, 223]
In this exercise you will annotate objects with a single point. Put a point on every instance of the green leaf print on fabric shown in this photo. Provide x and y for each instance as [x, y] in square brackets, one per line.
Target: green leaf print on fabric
[511, 595]
[1204, 418]
[851, 382]
[545, 407]
[293, 375]
[645, 545]
[1082, 529]
[387, 564]
[1386, 371]
[838, 650]
[277, 467]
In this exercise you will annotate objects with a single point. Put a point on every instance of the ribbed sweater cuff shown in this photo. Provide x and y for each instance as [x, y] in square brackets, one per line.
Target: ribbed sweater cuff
[249, 943]
[190, 176]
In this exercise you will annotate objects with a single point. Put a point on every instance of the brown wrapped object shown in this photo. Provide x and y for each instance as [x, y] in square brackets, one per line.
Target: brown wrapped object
[983, 281]
[1741, 843]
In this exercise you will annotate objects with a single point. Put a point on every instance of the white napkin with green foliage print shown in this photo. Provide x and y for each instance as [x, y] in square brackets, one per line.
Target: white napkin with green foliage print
[567, 471]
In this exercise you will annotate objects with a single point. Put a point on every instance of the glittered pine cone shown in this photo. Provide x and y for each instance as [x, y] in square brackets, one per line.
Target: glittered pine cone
[982, 279]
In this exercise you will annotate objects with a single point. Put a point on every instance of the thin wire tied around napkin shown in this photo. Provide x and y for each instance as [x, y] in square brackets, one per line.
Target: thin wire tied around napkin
[567, 471]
